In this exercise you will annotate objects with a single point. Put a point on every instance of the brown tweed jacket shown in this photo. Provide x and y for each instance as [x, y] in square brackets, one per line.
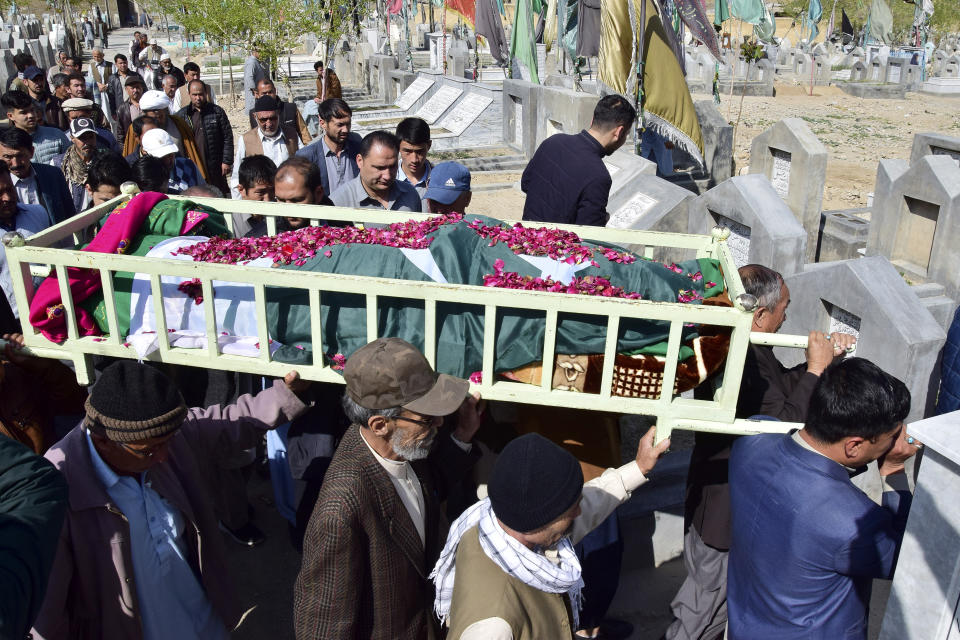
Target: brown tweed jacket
[364, 571]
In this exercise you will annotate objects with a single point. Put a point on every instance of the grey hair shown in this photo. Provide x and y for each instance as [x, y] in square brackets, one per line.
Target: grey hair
[59, 79]
[169, 75]
[763, 283]
[203, 190]
[361, 415]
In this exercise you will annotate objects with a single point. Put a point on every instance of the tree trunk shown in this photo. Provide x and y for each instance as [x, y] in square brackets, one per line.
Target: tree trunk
[220, 48]
[233, 92]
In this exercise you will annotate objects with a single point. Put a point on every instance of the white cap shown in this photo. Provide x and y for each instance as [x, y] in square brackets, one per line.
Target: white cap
[165, 56]
[158, 143]
[154, 99]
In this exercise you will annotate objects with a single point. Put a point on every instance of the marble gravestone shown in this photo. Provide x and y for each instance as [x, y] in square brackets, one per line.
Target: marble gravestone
[464, 114]
[925, 593]
[916, 219]
[438, 104]
[763, 229]
[868, 298]
[795, 162]
[414, 92]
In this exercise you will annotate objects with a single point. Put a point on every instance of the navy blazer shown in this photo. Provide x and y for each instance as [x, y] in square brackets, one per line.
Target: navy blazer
[806, 544]
[53, 192]
[316, 152]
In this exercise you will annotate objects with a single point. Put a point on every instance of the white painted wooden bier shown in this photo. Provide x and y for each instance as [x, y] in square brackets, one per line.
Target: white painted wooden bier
[37, 254]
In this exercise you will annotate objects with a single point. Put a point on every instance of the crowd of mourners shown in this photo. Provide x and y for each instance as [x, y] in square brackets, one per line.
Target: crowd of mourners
[420, 510]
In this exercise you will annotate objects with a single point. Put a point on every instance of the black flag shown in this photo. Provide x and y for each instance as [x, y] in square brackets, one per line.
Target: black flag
[845, 27]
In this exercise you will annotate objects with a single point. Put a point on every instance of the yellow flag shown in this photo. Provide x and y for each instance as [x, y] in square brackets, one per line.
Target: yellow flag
[668, 107]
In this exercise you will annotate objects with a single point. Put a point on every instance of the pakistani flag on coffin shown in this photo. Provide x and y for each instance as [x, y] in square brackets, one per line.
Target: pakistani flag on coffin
[668, 108]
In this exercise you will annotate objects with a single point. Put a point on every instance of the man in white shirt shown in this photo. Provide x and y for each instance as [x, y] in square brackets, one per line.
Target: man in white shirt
[374, 532]
[509, 570]
[269, 138]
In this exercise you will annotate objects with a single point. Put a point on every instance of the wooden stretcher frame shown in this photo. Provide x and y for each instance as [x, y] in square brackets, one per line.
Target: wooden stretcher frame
[37, 255]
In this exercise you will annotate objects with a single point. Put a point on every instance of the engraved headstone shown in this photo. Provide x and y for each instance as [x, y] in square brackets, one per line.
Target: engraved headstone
[413, 93]
[780, 176]
[518, 122]
[466, 111]
[627, 215]
[842, 321]
[776, 238]
[739, 240]
[438, 103]
[895, 330]
[795, 162]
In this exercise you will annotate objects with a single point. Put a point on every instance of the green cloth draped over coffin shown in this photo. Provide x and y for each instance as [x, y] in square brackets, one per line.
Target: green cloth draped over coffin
[464, 257]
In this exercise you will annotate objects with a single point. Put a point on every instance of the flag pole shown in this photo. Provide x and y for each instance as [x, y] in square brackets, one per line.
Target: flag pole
[639, 97]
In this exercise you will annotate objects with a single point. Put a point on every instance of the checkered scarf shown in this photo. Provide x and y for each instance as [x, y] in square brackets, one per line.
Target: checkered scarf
[532, 568]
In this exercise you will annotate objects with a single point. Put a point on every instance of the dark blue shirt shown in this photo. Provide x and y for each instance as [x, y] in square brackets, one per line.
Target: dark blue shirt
[566, 181]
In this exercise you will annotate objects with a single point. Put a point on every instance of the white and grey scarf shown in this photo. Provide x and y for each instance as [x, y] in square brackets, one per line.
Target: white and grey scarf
[530, 567]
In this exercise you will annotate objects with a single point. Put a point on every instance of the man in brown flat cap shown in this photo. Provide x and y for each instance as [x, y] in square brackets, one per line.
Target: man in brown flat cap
[374, 533]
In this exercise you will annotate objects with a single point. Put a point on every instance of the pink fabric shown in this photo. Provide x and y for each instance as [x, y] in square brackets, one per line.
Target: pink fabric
[394, 6]
[47, 312]
[191, 220]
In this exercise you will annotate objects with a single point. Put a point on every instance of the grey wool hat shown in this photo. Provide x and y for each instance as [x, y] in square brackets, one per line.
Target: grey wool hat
[132, 402]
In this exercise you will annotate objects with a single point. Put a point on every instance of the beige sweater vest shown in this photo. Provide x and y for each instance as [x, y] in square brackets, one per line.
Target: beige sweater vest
[252, 146]
[482, 590]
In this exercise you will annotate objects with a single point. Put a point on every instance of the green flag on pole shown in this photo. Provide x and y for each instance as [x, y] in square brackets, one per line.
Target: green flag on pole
[814, 13]
[721, 12]
[750, 11]
[881, 22]
[522, 45]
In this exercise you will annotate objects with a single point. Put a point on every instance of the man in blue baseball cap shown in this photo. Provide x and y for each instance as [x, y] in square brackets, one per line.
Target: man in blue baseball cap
[448, 189]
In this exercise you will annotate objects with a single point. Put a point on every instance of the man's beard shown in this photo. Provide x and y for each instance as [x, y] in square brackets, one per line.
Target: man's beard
[414, 450]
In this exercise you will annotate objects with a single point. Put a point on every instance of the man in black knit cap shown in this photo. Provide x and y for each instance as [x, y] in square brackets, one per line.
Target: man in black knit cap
[140, 555]
[516, 546]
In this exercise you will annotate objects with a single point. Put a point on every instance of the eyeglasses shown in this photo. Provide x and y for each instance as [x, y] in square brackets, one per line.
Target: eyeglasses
[145, 452]
[425, 423]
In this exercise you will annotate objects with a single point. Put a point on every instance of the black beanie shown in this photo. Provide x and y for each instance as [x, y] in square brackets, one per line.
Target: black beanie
[534, 482]
[132, 402]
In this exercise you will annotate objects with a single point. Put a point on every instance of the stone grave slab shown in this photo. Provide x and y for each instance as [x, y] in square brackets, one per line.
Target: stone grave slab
[717, 140]
[795, 162]
[520, 103]
[869, 298]
[438, 104]
[916, 219]
[844, 235]
[896, 70]
[763, 229]
[465, 113]
[414, 92]
[925, 590]
[651, 203]
[930, 143]
[563, 110]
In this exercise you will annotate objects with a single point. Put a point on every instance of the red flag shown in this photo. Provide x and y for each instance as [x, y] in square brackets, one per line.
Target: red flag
[466, 9]
[394, 6]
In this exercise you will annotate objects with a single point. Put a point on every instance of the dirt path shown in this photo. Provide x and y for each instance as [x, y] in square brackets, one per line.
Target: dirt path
[857, 132]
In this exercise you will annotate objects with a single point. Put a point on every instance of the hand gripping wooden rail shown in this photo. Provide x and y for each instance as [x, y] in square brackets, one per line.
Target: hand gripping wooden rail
[37, 255]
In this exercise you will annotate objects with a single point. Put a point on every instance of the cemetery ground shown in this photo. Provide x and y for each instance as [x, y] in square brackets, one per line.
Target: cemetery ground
[856, 131]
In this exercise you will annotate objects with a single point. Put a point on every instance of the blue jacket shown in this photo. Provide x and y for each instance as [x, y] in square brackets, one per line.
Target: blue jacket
[316, 151]
[806, 544]
[566, 181]
[949, 399]
[54, 194]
